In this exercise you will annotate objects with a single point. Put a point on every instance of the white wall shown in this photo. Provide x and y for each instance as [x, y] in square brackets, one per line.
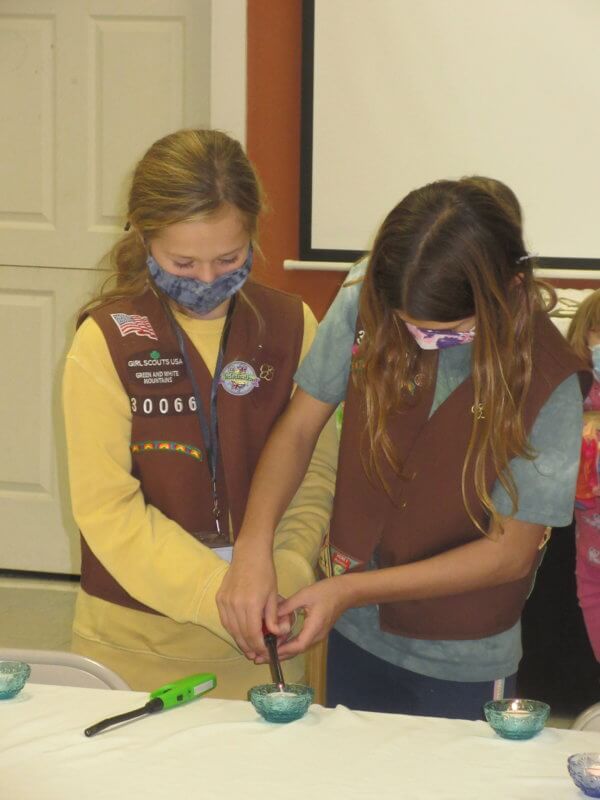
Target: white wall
[228, 67]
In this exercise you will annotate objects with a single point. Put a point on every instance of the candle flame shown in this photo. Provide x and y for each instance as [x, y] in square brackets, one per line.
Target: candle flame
[514, 706]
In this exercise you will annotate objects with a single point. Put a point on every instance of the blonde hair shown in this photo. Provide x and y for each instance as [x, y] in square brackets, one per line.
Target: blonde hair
[585, 319]
[187, 174]
[449, 251]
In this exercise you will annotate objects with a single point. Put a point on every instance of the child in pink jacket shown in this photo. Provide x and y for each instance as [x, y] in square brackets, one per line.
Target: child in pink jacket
[584, 335]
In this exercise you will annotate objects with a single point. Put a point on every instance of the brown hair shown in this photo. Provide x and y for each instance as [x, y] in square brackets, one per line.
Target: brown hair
[501, 192]
[448, 251]
[187, 174]
[585, 319]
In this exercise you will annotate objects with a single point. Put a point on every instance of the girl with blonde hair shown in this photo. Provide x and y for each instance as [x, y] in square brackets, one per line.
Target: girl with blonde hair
[177, 373]
[459, 450]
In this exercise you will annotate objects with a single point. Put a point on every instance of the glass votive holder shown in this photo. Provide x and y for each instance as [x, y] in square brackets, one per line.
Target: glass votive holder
[277, 706]
[584, 769]
[13, 677]
[516, 719]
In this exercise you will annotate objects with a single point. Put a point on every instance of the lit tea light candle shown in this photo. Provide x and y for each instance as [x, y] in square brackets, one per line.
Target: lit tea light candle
[517, 719]
[280, 696]
[515, 711]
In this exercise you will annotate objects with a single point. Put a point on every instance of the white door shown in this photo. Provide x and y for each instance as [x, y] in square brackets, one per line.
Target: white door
[85, 87]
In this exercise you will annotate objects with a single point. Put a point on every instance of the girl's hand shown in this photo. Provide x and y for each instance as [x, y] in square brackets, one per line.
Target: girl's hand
[247, 595]
[288, 623]
[322, 604]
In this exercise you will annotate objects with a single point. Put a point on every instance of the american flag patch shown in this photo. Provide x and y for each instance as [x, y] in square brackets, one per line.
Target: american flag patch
[134, 323]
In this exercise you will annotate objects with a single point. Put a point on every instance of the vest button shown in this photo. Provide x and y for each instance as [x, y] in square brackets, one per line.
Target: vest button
[403, 504]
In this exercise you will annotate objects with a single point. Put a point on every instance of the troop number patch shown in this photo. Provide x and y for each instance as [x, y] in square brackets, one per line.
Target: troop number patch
[162, 406]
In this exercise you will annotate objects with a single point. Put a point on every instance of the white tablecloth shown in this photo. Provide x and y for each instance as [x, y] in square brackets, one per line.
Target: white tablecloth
[222, 749]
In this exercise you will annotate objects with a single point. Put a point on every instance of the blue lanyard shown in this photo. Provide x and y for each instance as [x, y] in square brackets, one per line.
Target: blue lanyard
[210, 427]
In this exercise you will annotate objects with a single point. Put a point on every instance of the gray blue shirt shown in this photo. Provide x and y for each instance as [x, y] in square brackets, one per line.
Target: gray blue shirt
[545, 485]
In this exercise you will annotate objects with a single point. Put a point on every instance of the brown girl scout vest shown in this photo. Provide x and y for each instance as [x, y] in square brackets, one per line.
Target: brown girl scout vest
[427, 515]
[167, 448]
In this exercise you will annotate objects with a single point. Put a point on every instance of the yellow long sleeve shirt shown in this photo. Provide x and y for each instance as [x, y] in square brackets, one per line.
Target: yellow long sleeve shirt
[151, 556]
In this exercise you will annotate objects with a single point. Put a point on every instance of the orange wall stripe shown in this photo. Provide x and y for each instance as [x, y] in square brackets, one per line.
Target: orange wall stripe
[273, 144]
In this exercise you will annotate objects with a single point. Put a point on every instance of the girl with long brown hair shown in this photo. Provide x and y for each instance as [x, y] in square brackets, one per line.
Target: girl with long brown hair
[459, 451]
[178, 370]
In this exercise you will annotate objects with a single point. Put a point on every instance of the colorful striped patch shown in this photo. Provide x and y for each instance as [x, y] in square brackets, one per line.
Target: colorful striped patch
[157, 445]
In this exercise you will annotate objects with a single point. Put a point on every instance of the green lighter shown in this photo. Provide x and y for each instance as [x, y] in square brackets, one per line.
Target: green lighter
[172, 694]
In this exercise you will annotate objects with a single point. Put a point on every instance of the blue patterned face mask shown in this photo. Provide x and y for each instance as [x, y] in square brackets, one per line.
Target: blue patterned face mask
[195, 295]
[596, 360]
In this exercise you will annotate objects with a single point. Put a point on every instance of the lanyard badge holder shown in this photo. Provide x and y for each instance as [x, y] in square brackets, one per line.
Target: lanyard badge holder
[218, 540]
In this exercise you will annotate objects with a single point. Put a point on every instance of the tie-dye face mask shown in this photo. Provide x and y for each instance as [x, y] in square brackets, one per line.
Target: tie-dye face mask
[432, 339]
[195, 295]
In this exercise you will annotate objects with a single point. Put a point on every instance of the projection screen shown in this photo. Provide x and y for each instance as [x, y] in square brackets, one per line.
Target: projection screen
[397, 93]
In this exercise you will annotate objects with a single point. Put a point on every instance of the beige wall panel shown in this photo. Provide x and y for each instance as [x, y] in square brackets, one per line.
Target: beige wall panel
[123, 53]
[27, 74]
[27, 323]
[37, 315]
[85, 89]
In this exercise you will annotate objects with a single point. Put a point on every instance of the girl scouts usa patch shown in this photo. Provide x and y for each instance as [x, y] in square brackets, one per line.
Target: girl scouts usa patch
[239, 378]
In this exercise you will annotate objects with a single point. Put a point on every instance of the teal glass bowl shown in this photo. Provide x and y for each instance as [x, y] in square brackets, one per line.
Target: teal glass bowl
[275, 706]
[516, 719]
[13, 677]
[584, 769]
